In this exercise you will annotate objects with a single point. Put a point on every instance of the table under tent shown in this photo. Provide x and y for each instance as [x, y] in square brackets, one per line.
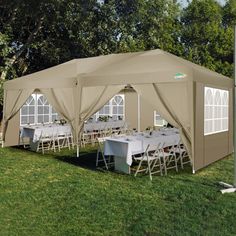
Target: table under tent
[197, 101]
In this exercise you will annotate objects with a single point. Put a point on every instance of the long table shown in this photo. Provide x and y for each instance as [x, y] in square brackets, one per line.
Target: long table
[101, 125]
[33, 132]
[124, 147]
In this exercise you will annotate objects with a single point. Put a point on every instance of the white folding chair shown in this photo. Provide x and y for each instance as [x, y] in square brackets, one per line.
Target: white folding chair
[169, 158]
[182, 154]
[100, 153]
[59, 139]
[45, 142]
[148, 162]
[69, 140]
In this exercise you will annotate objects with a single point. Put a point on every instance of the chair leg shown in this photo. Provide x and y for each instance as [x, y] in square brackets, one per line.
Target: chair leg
[104, 161]
[181, 161]
[149, 169]
[176, 164]
[160, 166]
[164, 161]
[136, 172]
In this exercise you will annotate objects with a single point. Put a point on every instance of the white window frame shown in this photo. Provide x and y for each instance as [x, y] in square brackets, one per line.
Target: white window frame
[162, 123]
[110, 105]
[51, 113]
[216, 109]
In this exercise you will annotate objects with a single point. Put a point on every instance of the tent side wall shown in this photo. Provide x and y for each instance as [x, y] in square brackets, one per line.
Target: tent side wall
[131, 111]
[13, 131]
[210, 148]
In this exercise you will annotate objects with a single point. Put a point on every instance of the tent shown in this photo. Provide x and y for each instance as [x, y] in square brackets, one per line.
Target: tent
[174, 86]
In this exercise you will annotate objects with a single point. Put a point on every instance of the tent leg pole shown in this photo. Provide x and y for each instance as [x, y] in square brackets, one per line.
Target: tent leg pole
[139, 111]
[228, 187]
[77, 150]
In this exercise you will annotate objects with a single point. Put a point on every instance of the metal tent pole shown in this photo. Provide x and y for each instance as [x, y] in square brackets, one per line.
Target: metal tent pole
[77, 150]
[139, 115]
[232, 188]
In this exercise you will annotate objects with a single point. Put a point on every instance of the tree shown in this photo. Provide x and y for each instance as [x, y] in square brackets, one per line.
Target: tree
[204, 38]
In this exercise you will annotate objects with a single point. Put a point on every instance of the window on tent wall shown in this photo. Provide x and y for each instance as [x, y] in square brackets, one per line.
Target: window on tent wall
[158, 120]
[216, 110]
[28, 111]
[114, 108]
[37, 110]
[43, 109]
[117, 104]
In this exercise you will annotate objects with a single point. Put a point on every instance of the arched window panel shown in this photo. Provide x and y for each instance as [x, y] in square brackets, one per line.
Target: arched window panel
[27, 112]
[43, 109]
[37, 110]
[208, 96]
[114, 108]
[118, 100]
[225, 98]
[216, 112]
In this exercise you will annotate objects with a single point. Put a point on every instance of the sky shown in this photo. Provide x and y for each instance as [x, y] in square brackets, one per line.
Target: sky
[184, 2]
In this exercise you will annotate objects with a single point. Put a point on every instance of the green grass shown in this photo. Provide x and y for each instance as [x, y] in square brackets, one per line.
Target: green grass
[59, 194]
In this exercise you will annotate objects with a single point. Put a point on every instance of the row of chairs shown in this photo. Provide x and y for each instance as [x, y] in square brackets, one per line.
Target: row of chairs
[55, 142]
[91, 137]
[154, 160]
[161, 159]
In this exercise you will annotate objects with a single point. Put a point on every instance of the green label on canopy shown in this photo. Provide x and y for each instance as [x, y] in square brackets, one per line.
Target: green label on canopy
[180, 76]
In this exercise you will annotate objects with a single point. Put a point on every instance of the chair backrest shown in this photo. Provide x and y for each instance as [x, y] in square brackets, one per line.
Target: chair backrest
[146, 150]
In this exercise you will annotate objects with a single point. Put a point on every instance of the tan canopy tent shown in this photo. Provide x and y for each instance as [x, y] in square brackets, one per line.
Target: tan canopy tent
[174, 87]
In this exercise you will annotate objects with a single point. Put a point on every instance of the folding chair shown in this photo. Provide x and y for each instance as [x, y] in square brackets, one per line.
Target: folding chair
[69, 140]
[100, 153]
[182, 154]
[169, 158]
[148, 162]
[58, 140]
[44, 143]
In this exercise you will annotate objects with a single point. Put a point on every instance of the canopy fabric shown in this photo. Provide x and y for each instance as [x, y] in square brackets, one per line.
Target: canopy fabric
[165, 99]
[80, 87]
[13, 101]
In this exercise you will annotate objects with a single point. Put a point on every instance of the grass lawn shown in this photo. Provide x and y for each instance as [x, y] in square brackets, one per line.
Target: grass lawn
[59, 194]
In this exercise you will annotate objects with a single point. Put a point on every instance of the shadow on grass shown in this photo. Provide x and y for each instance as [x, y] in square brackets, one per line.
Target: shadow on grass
[86, 160]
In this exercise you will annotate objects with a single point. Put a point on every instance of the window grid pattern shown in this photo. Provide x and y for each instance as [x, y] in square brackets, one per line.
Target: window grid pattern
[43, 110]
[158, 120]
[28, 111]
[37, 110]
[114, 108]
[216, 110]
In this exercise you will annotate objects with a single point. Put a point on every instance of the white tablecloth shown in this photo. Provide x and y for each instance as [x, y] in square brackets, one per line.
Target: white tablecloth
[127, 146]
[88, 127]
[34, 132]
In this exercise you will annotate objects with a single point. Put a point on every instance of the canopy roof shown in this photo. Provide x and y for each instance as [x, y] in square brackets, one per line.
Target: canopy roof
[127, 68]
[79, 88]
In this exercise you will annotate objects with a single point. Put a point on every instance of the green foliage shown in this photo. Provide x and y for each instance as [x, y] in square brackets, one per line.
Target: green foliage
[60, 194]
[205, 40]
[39, 34]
